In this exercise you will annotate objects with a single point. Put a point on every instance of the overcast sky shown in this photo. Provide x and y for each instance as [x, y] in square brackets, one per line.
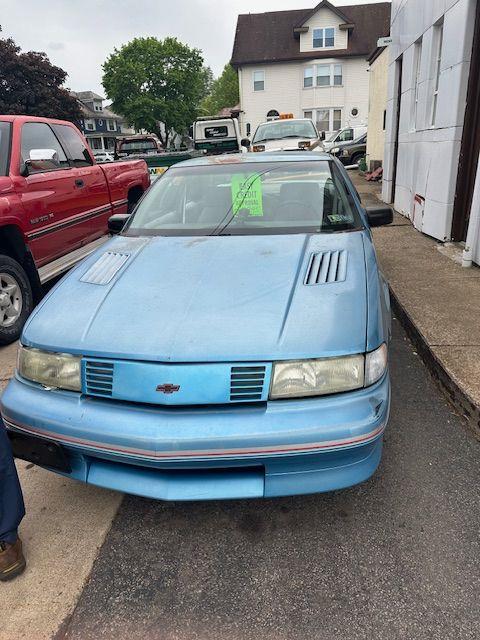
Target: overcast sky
[79, 36]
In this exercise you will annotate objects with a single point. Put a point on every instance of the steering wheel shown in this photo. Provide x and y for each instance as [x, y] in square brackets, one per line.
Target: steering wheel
[300, 206]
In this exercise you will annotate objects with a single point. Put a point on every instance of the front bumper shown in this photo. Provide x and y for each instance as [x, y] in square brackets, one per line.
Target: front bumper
[210, 452]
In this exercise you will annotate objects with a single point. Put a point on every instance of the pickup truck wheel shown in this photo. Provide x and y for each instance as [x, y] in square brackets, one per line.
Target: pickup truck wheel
[16, 299]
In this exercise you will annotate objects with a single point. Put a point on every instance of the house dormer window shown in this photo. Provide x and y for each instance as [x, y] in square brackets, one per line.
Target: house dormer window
[323, 38]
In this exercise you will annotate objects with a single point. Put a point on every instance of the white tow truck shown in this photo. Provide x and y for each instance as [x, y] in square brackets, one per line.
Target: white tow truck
[286, 133]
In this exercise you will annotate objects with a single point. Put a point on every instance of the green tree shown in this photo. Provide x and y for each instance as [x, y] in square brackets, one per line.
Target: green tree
[224, 92]
[31, 85]
[156, 85]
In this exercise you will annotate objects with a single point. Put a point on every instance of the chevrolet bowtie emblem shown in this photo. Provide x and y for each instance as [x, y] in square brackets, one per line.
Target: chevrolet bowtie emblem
[168, 388]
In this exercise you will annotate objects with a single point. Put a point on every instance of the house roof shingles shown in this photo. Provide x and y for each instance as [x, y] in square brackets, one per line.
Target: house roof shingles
[269, 37]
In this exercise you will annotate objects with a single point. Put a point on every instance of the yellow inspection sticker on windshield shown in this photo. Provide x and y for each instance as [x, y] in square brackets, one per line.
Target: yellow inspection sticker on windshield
[247, 194]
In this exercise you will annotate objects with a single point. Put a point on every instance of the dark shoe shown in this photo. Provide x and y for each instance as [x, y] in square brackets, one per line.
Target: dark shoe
[12, 562]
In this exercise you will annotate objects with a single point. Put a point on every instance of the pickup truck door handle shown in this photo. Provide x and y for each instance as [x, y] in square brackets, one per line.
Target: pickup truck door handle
[79, 183]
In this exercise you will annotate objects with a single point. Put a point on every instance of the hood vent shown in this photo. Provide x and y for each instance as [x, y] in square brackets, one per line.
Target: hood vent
[326, 267]
[99, 378]
[103, 270]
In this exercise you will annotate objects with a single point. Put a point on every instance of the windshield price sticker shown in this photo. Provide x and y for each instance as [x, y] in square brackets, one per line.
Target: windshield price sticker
[247, 194]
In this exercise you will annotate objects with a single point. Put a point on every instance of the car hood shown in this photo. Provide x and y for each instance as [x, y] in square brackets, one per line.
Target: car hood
[216, 298]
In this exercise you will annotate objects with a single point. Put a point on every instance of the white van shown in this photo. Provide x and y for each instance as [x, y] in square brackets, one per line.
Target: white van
[218, 135]
[348, 134]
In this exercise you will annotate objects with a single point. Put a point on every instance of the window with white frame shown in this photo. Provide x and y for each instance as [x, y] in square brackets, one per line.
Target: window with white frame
[111, 125]
[89, 125]
[323, 38]
[259, 80]
[308, 77]
[328, 119]
[438, 41]
[326, 75]
[323, 75]
[417, 59]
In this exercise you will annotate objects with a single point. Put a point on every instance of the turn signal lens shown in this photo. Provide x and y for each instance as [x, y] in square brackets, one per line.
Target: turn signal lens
[375, 364]
[258, 147]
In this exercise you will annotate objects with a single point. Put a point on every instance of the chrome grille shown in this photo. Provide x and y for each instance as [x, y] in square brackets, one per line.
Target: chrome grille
[246, 383]
[325, 267]
[99, 378]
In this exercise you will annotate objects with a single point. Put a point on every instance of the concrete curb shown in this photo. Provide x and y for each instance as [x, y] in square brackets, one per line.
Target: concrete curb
[456, 395]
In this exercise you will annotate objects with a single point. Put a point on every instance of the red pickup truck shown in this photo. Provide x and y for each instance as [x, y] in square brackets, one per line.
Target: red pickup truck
[54, 205]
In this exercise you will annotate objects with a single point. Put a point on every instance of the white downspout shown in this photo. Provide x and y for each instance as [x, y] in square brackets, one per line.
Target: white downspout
[473, 236]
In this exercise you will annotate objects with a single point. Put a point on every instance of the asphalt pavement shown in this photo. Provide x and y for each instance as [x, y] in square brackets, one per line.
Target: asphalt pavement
[396, 557]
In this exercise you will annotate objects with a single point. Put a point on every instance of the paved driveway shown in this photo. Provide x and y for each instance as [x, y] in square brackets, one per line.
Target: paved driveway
[398, 557]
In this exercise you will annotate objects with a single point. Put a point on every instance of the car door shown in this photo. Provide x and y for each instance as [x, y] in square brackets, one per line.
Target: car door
[92, 191]
[48, 193]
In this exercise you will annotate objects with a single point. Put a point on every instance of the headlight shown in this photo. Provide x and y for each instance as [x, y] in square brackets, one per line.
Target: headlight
[58, 370]
[335, 150]
[345, 153]
[302, 378]
[375, 364]
[299, 378]
[304, 144]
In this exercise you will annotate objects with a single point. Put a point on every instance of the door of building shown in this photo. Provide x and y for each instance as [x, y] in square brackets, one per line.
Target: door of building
[470, 147]
[398, 104]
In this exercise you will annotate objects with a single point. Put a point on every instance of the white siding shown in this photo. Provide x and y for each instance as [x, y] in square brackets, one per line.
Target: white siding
[428, 155]
[284, 91]
[377, 105]
[321, 20]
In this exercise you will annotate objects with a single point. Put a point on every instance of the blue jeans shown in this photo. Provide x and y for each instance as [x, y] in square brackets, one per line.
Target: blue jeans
[12, 508]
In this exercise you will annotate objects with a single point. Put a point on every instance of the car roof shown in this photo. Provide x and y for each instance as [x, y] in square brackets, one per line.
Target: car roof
[256, 158]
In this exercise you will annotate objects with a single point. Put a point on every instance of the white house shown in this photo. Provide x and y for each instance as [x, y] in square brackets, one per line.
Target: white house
[377, 107]
[433, 119]
[308, 62]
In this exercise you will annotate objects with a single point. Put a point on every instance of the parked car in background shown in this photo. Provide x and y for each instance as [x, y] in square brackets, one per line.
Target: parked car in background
[348, 134]
[351, 152]
[285, 134]
[55, 202]
[104, 156]
[256, 364]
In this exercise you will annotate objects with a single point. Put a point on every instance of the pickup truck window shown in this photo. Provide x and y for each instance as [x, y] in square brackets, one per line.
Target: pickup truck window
[5, 132]
[38, 135]
[72, 142]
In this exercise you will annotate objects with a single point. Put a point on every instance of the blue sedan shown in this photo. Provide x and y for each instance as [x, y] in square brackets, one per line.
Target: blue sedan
[229, 342]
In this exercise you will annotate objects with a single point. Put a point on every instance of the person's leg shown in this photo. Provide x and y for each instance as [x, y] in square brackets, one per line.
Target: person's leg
[12, 511]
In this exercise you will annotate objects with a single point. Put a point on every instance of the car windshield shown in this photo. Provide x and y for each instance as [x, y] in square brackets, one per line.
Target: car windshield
[233, 198]
[284, 129]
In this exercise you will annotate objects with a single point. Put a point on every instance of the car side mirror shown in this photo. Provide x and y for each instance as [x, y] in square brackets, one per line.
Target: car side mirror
[245, 142]
[39, 157]
[379, 216]
[117, 222]
[323, 135]
[44, 155]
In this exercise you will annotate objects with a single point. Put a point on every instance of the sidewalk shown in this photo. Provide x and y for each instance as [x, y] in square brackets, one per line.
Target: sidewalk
[437, 301]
